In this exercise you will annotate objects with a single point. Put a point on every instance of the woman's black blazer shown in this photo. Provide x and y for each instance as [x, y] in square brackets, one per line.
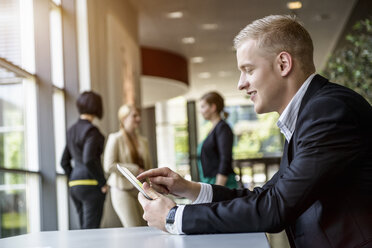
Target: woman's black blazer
[216, 153]
[85, 146]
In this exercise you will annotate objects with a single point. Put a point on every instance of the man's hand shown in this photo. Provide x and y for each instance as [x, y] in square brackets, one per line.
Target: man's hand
[156, 210]
[167, 181]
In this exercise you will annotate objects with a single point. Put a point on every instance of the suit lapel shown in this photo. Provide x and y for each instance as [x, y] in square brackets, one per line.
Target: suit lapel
[315, 84]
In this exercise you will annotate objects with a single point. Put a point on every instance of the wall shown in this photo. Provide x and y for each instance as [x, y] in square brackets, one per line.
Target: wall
[114, 56]
[114, 66]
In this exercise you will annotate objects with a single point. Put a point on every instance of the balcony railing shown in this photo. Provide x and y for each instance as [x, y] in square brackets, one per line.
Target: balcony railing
[255, 171]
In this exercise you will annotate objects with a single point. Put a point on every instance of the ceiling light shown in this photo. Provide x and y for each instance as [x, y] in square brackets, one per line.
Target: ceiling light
[204, 75]
[197, 60]
[209, 26]
[294, 5]
[188, 40]
[175, 15]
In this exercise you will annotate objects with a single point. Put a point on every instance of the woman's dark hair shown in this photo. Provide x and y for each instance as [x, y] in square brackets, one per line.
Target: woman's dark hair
[215, 98]
[90, 103]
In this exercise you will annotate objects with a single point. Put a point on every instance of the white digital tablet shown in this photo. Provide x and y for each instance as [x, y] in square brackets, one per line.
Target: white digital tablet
[131, 178]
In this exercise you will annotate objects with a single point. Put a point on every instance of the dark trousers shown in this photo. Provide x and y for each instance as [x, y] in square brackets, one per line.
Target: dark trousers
[88, 201]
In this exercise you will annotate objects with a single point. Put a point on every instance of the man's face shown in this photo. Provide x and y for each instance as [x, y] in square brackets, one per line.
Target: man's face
[259, 77]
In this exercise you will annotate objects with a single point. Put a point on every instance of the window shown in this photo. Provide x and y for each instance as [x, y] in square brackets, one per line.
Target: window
[172, 135]
[59, 120]
[19, 177]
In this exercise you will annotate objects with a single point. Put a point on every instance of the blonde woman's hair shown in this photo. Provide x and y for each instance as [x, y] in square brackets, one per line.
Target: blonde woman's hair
[277, 33]
[123, 113]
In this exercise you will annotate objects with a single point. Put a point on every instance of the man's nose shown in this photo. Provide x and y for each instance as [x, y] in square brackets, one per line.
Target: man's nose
[242, 82]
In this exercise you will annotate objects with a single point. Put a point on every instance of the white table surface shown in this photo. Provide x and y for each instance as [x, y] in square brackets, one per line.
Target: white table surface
[136, 237]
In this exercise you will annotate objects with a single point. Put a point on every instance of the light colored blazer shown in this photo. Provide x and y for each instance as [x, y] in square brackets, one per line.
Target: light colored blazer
[117, 152]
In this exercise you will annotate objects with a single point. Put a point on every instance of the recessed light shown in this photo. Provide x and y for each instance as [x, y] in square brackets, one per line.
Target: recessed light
[188, 40]
[294, 5]
[175, 15]
[204, 75]
[197, 60]
[209, 26]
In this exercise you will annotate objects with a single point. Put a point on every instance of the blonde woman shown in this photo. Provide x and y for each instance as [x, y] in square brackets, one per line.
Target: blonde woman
[128, 149]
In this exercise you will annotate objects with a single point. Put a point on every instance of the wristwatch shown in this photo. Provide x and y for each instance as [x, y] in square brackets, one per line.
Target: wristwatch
[169, 221]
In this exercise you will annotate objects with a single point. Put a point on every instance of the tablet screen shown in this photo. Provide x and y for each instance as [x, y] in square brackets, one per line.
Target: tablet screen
[131, 178]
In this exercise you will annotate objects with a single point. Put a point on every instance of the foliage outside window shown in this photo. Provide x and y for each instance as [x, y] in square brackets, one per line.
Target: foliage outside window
[258, 139]
[351, 65]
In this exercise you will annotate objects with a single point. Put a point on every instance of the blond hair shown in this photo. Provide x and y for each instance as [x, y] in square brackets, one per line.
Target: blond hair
[124, 111]
[132, 144]
[278, 33]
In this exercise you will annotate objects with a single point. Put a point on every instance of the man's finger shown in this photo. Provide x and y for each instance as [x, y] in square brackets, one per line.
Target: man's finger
[150, 191]
[160, 188]
[165, 181]
[142, 199]
[164, 171]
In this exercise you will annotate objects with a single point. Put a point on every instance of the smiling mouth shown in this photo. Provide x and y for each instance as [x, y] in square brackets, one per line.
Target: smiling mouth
[252, 93]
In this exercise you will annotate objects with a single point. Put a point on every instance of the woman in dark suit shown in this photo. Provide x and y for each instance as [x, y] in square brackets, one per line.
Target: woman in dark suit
[215, 152]
[85, 146]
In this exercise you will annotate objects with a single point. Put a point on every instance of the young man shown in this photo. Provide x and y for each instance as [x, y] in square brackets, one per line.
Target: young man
[322, 193]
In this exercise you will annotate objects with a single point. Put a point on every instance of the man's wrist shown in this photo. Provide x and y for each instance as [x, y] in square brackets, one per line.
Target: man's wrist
[194, 191]
[170, 221]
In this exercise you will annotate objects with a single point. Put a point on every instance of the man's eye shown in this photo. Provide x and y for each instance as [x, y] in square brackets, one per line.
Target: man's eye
[248, 70]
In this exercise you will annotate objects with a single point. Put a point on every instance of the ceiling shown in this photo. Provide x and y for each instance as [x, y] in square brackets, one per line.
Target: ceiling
[324, 19]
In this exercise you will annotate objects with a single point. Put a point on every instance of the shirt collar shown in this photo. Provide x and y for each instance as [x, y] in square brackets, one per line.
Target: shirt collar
[287, 120]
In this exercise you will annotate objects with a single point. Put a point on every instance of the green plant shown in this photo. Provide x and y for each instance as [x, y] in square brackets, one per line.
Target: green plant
[351, 65]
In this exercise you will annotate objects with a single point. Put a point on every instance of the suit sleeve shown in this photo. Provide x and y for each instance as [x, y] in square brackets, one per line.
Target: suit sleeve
[328, 140]
[224, 138]
[66, 161]
[92, 151]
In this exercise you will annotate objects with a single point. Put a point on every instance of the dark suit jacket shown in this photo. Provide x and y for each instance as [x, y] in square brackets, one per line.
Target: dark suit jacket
[322, 193]
[216, 153]
[85, 146]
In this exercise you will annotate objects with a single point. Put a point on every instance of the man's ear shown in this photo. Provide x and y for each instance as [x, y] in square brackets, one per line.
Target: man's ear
[284, 62]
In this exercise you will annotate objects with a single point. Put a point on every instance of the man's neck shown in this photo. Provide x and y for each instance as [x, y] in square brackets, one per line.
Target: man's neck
[294, 84]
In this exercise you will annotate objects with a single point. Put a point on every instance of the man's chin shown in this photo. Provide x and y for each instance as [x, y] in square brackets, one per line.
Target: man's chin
[257, 109]
[260, 110]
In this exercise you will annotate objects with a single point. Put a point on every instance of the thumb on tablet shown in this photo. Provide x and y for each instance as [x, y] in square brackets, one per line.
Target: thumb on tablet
[150, 191]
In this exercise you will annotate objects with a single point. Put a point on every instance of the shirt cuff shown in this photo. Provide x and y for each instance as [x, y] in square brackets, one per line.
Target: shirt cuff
[205, 195]
[178, 219]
